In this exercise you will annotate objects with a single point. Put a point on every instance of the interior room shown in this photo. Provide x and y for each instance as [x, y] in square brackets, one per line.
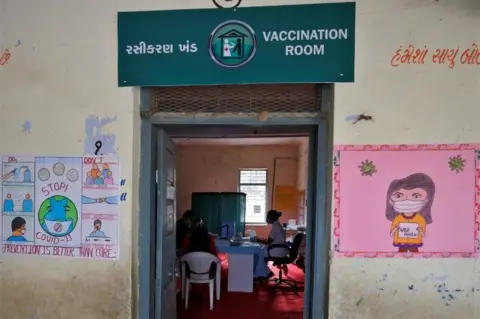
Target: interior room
[211, 175]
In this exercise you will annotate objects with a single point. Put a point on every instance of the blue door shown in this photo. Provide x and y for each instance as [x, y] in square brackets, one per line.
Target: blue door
[165, 282]
[318, 210]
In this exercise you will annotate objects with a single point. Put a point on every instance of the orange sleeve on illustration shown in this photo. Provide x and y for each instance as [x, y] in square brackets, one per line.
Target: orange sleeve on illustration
[395, 223]
[423, 225]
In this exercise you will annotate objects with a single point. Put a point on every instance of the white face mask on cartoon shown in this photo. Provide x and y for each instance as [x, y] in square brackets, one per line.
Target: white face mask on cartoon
[408, 206]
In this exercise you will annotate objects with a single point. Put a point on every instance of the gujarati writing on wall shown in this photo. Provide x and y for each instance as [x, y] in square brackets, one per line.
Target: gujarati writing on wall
[411, 54]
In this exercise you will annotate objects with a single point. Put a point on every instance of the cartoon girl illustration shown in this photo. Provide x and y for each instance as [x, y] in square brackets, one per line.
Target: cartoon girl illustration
[409, 205]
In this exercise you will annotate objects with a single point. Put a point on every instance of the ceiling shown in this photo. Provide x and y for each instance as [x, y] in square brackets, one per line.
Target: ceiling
[239, 141]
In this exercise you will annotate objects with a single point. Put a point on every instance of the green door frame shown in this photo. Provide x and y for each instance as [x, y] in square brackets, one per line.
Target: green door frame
[319, 184]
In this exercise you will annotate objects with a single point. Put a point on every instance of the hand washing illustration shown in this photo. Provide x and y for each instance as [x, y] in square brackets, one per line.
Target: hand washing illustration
[17, 175]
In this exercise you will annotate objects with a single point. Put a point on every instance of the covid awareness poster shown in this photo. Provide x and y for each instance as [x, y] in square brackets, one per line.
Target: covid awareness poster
[60, 206]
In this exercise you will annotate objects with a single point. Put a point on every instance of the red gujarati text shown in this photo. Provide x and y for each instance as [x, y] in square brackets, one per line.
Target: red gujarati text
[5, 57]
[409, 55]
[471, 55]
[442, 56]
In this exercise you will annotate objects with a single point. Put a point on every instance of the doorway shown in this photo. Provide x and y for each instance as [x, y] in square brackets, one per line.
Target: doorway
[166, 120]
[159, 274]
[240, 179]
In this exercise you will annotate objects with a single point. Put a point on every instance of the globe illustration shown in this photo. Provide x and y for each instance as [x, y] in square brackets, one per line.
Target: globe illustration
[58, 216]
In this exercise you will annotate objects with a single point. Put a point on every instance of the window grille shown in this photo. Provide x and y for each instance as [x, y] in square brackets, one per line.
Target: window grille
[253, 182]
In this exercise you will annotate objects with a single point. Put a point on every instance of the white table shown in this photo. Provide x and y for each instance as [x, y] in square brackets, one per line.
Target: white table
[241, 263]
[240, 272]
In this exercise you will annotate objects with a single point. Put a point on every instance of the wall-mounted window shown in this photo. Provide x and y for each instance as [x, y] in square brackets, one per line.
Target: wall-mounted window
[253, 182]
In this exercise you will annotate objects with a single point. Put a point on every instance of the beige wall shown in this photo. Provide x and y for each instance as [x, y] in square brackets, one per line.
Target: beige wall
[410, 104]
[215, 169]
[66, 70]
[302, 178]
[302, 164]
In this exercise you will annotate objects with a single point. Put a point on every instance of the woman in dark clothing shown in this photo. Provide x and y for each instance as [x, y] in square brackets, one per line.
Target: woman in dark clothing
[183, 227]
[199, 240]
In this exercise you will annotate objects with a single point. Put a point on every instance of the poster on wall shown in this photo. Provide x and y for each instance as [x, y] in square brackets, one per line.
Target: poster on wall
[415, 200]
[60, 206]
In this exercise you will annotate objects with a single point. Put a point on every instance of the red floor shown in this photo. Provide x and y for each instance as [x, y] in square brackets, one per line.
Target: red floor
[262, 303]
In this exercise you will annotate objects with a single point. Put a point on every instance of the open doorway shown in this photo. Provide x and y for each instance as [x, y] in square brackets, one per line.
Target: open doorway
[160, 250]
[239, 179]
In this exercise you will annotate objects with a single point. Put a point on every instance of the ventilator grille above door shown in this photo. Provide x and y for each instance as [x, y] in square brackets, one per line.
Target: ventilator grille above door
[237, 99]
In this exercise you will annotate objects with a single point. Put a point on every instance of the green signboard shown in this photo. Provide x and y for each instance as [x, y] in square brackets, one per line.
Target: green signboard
[277, 44]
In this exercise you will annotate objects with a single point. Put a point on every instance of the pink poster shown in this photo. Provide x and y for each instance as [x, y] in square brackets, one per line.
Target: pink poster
[415, 201]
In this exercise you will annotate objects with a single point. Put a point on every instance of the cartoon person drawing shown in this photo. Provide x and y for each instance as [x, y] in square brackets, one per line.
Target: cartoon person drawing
[97, 232]
[18, 229]
[8, 204]
[89, 180]
[98, 178]
[226, 48]
[109, 179]
[409, 205]
[27, 204]
[95, 171]
[105, 170]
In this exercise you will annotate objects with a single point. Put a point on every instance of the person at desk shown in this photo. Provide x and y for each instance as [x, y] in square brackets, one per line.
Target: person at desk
[199, 240]
[277, 236]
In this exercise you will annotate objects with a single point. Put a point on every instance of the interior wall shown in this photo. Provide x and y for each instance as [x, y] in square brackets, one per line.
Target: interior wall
[302, 168]
[215, 169]
[302, 179]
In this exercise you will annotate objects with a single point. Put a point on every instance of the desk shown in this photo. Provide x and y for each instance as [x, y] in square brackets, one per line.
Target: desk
[244, 263]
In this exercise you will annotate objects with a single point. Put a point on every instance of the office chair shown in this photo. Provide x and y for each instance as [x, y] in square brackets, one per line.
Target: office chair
[287, 260]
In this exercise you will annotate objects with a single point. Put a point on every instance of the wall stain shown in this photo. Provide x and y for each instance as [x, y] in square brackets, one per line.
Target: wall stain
[94, 127]
[434, 277]
[370, 290]
[448, 295]
[27, 127]
[357, 263]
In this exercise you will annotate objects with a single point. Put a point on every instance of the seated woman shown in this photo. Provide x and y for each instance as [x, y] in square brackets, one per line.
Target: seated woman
[199, 240]
[183, 227]
[277, 236]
